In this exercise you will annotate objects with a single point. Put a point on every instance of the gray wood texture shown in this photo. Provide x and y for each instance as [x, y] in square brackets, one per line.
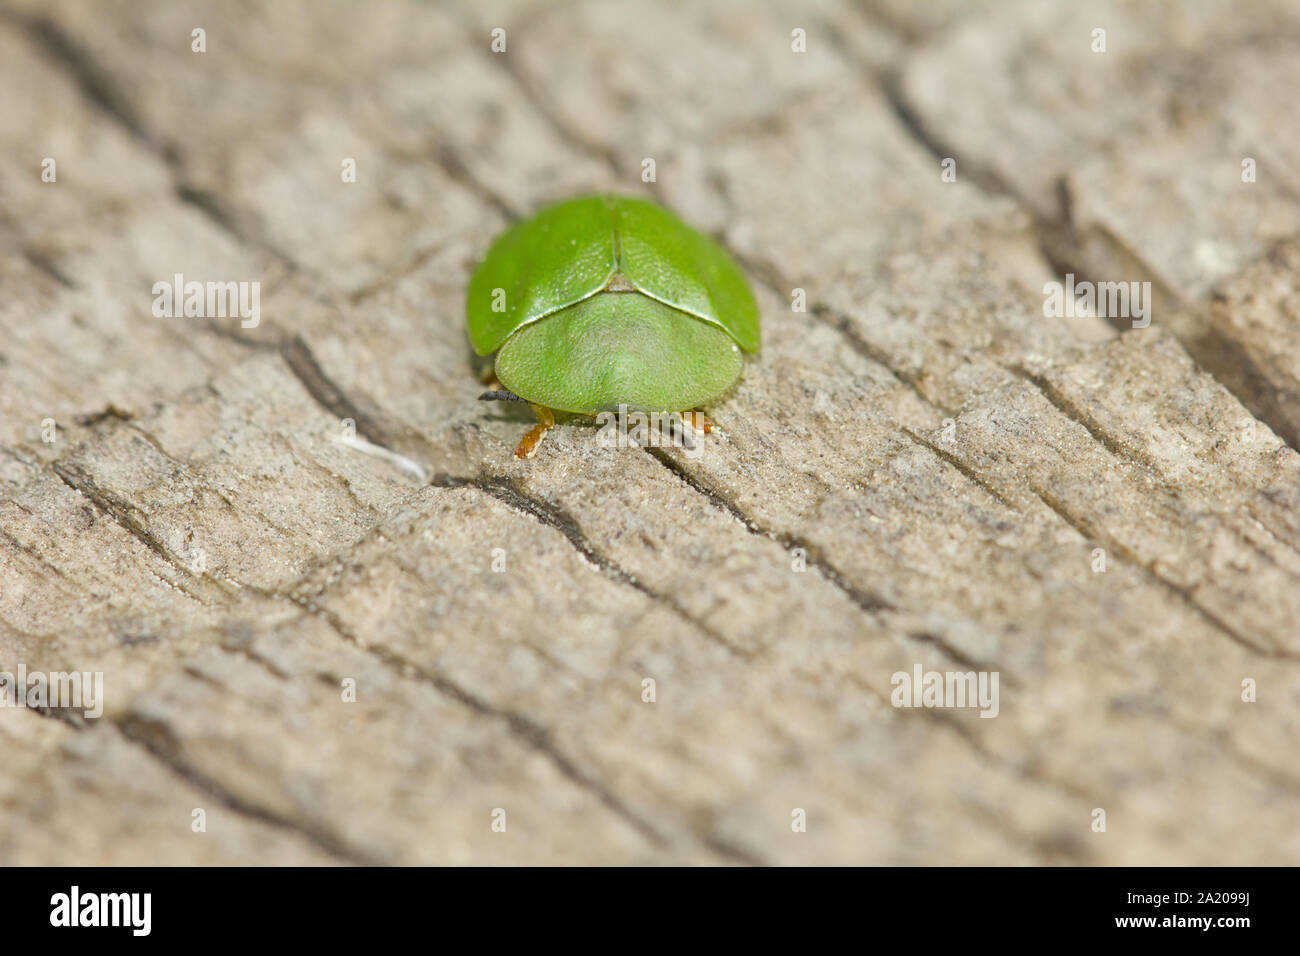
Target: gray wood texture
[920, 469]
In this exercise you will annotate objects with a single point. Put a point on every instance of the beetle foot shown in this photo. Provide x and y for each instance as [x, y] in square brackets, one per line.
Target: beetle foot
[698, 420]
[528, 444]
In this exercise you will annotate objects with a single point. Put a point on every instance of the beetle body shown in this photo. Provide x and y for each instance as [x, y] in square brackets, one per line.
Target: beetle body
[606, 301]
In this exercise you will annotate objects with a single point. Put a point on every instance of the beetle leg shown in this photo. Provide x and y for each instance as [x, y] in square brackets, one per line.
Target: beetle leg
[488, 376]
[545, 422]
[501, 395]
[698, 420]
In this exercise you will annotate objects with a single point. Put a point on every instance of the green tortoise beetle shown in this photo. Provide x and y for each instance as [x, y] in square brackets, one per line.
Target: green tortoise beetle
[605, 301]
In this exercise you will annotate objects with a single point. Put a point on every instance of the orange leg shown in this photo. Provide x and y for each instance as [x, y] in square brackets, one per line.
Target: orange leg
[698, 420]
[545, 422]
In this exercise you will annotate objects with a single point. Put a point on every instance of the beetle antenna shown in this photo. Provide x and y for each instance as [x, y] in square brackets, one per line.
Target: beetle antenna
[501, 395]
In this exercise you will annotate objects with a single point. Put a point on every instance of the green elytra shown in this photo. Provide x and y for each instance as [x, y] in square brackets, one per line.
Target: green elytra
[605, 301]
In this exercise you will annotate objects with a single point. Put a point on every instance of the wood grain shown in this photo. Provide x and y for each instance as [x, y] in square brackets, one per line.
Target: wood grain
[920, 469]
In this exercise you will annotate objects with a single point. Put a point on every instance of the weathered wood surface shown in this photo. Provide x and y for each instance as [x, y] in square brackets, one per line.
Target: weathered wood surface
[969, 547]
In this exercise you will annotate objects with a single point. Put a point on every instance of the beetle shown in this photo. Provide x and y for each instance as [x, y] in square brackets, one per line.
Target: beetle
[606, 301]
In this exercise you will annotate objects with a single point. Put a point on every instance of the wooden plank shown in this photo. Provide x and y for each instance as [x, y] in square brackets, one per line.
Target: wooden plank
[921, 469]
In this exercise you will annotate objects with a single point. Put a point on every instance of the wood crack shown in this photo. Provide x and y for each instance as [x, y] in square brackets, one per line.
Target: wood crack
[865, 600]
[329, 395]
[156, 739]
[123, 515]
[1063, 404]
[1060, 243]
[559, 520]
[1184, 593]
[98, 87]
[1070, 412]
[967, 472]
[533, 735]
